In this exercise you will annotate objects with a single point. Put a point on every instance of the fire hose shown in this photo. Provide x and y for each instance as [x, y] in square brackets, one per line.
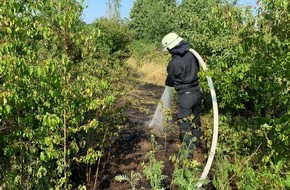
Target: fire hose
[215, 118]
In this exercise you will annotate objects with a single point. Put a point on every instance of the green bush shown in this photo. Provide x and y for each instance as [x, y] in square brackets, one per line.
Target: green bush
[114, 38]
[59, 95]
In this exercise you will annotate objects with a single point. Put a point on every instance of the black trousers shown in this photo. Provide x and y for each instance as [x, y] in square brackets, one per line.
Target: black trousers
[189, 104]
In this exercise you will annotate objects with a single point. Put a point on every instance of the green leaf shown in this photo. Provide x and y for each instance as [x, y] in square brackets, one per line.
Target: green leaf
[42, 156]
[30, 70]
[52, 68]
[9, 31]
[7, 109]
[4, 101]
[38, 71]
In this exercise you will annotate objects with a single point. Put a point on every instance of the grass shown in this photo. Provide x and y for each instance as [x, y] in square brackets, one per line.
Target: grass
[152, 71]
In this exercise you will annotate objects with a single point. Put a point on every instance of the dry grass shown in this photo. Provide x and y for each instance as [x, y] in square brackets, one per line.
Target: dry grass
[153, 71]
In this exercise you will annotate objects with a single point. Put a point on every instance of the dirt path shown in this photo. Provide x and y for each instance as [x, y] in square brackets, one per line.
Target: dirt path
[133, 143]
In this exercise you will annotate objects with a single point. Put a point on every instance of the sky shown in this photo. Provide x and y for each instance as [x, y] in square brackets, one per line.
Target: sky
[98, 8]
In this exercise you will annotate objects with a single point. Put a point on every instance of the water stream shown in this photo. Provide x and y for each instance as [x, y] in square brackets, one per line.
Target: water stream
[165, 103]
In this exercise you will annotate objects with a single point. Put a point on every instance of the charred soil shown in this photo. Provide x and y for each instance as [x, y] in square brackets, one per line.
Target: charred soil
[129, 151]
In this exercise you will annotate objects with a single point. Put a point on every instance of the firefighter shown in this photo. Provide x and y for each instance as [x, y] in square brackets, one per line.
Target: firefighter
[182, 74]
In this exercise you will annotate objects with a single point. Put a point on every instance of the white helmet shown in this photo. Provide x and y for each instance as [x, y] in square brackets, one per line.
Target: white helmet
[170, 41]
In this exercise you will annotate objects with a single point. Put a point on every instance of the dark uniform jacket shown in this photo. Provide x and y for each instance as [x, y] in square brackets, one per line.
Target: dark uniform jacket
[182, 70]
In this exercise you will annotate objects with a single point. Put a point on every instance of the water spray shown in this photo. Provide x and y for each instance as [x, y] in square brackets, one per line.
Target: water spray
[165, 103]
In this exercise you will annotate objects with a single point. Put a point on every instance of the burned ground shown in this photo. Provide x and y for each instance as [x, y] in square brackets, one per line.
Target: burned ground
[128, 152]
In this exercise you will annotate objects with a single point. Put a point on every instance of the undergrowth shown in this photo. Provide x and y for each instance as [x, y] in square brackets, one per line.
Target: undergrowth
[154, 168]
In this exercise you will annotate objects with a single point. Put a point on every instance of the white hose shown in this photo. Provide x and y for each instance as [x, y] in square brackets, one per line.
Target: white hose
[216, 121]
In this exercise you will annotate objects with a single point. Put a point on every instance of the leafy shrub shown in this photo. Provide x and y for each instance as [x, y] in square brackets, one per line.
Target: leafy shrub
[114, 38]
[133, 179]
[153, 170]
[59, 98]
